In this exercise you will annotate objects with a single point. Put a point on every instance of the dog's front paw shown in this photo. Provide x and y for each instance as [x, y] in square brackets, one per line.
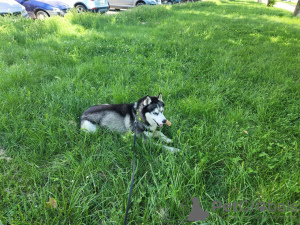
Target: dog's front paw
[168, 140]
[175, 149]
[172, 149]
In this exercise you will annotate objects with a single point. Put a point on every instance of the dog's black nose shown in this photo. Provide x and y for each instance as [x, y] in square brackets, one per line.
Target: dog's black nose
[164, 121]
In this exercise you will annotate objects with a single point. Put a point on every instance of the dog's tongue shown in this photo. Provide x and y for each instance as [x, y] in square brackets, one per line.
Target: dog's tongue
[161, 125]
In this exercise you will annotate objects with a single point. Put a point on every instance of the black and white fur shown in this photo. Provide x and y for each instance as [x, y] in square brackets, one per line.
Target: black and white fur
[148, 112]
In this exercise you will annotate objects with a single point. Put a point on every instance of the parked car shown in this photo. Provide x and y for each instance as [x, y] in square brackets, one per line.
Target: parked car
[41, 9]
[170, 2]
[125, 4]
[13, 8]
[100, 6]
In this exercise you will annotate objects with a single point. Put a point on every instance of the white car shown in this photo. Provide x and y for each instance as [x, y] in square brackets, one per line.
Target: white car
[100, 6]
[13, 8]
[125, 4]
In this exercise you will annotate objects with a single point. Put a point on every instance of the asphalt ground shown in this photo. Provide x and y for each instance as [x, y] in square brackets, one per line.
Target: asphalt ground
[283, 5]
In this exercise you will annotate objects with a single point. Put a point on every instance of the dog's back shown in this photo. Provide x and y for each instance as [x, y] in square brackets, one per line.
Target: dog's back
[116, 117]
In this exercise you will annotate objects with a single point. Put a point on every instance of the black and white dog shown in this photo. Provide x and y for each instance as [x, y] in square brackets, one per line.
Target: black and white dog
[147, 111]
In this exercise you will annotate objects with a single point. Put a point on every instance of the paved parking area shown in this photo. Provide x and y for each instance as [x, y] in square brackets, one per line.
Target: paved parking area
[285, 6]
[281, 5]
[113, 11]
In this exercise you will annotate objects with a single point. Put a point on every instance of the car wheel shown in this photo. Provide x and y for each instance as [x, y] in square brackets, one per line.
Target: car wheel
[40, 15]
[80, 8]
[140, 3]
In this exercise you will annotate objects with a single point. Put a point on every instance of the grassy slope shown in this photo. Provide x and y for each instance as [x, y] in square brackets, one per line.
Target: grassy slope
[229, 73]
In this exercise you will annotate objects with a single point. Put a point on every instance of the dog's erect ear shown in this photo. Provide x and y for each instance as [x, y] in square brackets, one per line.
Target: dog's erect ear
[147, 101]
[160, 97]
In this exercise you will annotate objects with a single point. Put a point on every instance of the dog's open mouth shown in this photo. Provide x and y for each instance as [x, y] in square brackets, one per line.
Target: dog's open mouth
[160, 125]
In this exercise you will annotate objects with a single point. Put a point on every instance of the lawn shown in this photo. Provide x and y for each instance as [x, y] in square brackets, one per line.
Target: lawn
[229, 72]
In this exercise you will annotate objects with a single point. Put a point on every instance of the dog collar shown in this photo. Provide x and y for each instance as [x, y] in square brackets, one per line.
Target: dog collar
[138, 116]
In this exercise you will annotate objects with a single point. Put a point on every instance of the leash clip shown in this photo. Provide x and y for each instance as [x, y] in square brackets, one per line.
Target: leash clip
[135, 120]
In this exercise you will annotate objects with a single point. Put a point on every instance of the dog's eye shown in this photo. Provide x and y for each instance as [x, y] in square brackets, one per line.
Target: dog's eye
[155, 113]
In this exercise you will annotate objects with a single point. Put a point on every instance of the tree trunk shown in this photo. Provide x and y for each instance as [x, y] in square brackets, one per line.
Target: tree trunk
[297, 9]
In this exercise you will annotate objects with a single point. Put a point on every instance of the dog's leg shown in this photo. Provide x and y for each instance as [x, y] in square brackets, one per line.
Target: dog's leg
[160, 135]
[171, 149]
[148, 134]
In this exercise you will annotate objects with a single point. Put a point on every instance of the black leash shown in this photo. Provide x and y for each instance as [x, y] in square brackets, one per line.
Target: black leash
[132, 177]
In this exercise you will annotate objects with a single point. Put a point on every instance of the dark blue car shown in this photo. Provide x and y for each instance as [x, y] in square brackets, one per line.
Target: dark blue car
[40, 9]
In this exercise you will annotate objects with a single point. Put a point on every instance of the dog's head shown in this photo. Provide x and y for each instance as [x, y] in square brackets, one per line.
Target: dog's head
[151, 110]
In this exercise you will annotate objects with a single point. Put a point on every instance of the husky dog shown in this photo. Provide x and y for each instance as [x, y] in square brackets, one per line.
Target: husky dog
[147, 112]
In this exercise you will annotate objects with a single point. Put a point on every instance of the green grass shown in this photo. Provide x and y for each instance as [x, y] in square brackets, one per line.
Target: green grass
[229, 74]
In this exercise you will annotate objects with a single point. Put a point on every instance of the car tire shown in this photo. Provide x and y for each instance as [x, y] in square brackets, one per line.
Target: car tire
[140, 4]
[40, 15]
[80, 8]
